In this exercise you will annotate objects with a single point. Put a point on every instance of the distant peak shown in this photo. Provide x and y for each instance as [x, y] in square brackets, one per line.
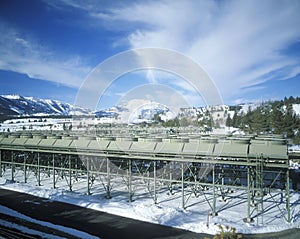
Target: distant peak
[12, 97]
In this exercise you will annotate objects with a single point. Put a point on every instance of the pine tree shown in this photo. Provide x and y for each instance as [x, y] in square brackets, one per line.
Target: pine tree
[277, 118]
[257, 122]
[289, 121]
[236, 120]
[228, 121]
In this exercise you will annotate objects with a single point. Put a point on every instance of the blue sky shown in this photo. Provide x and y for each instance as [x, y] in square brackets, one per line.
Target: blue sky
[250, 49]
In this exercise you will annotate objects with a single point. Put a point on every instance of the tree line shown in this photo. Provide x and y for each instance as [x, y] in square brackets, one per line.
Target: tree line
[277, 117]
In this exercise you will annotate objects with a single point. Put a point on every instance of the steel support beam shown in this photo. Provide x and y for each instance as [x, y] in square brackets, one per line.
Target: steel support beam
[129, 178]
[88, 192]
[53, 170]
[70, 172]
[287, 195]
[108, 186]
[214, 213]
[182, 185]
[154, 177]
[25, 168]
[0, 163]
[38, 169]
[249, 193]
[12, 166]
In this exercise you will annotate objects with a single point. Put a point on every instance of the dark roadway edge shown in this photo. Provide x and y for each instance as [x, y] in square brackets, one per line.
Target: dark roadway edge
[93, 222]
[34, 226]
[105, 225]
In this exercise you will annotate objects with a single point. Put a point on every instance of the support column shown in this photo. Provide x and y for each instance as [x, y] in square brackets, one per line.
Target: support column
[25, 168]
[108, 188]
[154, 175]
[53, 168]
[214, 193]
[70, 172]
[129, 172]
[182, 186]
[12, 165]
[0, 163]
[88, 174]
[170, 177]
[249, 187]
[287, 195]
[223, 183]
[38, 170]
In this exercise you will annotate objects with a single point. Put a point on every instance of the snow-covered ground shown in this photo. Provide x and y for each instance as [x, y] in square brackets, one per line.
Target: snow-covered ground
[168, 210]
[21, 124]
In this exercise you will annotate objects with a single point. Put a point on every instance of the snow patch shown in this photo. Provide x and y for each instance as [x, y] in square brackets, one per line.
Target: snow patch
[296, 108]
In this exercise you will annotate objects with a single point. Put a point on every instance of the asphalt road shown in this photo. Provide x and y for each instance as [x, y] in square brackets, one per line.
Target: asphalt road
[96, 223]
[100, 224]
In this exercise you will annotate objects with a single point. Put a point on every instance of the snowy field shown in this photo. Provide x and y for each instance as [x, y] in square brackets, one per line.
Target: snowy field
[168, 210]
[31, 124]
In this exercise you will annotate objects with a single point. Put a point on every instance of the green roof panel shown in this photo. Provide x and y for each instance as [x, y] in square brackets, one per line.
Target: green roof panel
[143, 146]
[97, 144]
[232, 148]
[47, 142]
[268, 149]
[169, 147]
[62, 143]
[119, 145]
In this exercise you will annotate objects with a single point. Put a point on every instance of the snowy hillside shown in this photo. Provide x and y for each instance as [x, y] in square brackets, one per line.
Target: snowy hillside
[16, 105]
[134, 111]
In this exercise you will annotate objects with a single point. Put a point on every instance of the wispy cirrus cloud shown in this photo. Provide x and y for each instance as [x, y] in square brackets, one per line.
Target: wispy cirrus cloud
[23, 54]
[239, 43]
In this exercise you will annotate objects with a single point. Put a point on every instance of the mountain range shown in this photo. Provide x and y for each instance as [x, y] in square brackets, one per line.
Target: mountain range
[134, 111]
[16, 105]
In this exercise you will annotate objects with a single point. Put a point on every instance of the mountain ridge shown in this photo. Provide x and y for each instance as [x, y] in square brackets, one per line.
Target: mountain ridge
[16, 105]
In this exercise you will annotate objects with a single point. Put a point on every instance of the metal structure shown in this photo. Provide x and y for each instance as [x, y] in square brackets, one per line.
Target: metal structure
[193, 164]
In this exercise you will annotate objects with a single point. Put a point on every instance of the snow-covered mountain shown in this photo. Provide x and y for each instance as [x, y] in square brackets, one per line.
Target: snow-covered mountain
[16, 105]
[134, 111]
[112, 112]
[146, 112]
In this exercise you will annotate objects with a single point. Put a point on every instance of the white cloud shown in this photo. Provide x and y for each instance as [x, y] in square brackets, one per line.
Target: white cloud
[25, 55]
[239, 43]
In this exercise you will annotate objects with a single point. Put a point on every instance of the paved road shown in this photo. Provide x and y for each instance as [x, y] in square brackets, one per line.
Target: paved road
[100, 224]
[96, 223]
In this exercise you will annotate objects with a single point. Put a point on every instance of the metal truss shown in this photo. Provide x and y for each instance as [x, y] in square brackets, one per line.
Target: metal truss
[211, 177]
